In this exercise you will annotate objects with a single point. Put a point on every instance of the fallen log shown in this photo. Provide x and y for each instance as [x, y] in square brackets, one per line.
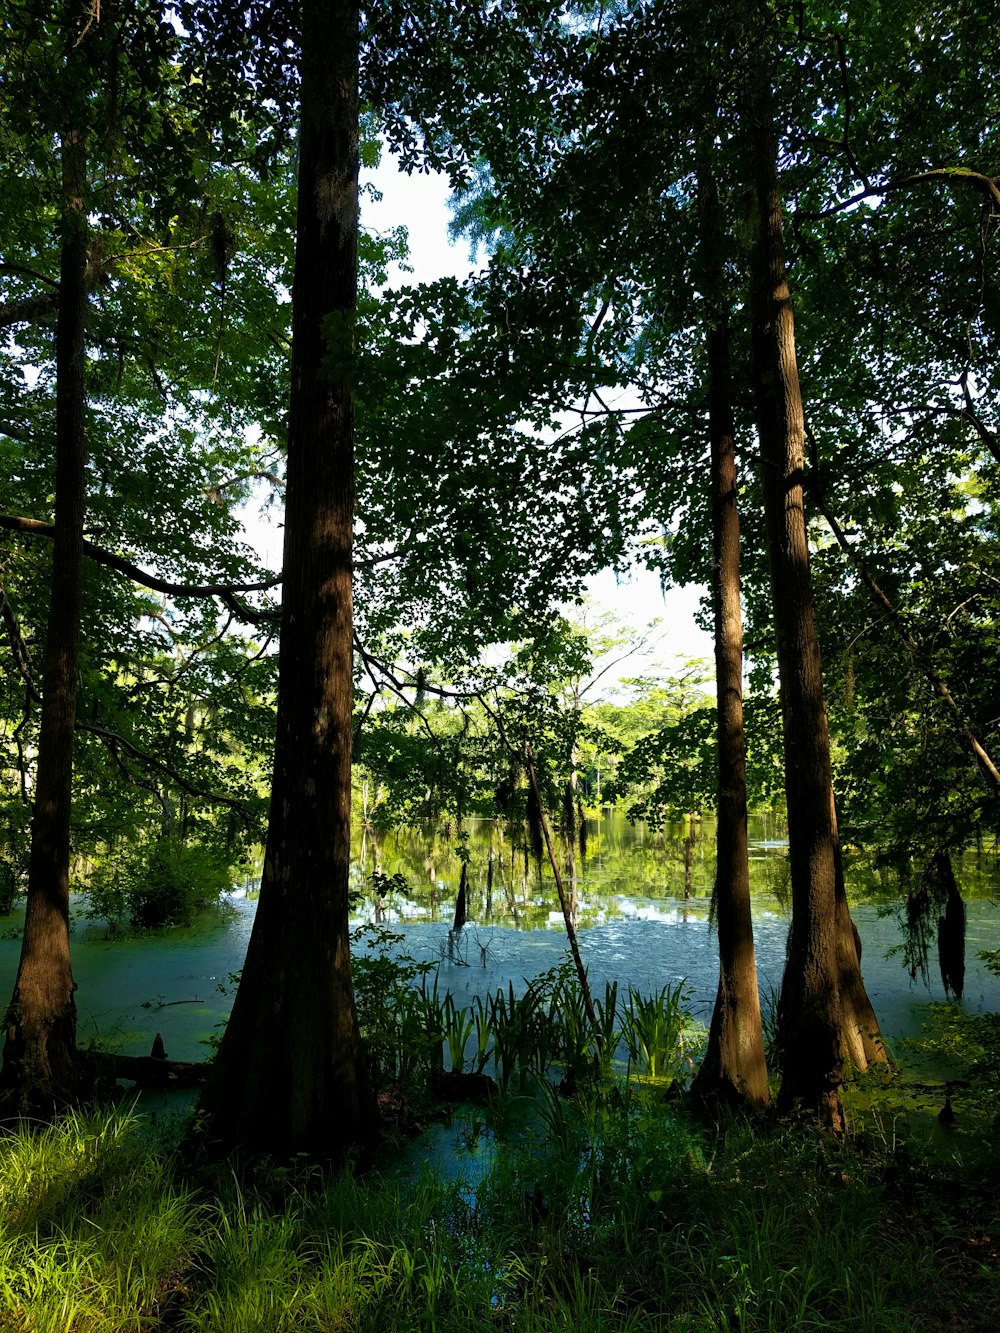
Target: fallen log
[149, 1071]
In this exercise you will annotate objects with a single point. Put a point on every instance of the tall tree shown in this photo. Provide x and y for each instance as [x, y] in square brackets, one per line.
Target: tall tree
[99, 168]
[39, 1059]
[815, 1033]
[289, 1076]
[734, 1066]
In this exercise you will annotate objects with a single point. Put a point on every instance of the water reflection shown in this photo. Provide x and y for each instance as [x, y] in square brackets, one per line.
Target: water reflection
[635, 927]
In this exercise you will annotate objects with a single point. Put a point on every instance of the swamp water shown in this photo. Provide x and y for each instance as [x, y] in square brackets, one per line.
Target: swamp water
[634, 927]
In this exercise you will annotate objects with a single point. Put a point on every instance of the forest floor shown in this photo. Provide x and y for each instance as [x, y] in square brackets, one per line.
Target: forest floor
[609, 1211]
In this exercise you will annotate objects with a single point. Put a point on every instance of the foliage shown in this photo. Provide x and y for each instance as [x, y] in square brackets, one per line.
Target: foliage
[392, 1010]
[653, 1030]
[162, 883]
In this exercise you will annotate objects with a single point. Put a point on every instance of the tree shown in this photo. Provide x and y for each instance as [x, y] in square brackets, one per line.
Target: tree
[814, 1031]
[113, 108]
[289, 1075]
[733, 1066]
[39, 1058]
[895, 218]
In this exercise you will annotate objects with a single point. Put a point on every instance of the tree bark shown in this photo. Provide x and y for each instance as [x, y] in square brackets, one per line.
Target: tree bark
[862, 1038]
[290, 1075]
[734, 1068]
[40, 1067]
[811, 1014]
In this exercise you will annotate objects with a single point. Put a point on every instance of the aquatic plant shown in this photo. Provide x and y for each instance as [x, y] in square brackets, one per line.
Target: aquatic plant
[519, 1040]
[393, 1015]
[458, 1025]
[653, 1029]
[484, 1035]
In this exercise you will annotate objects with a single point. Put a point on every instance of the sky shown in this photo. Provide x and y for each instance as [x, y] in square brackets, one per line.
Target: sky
[420, 203]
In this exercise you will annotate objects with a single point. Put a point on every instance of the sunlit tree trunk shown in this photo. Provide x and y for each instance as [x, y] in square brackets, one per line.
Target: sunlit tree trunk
[733, 1068]
[810, 1017]
[290, 1076]
[39, 1062]
[825, 1015]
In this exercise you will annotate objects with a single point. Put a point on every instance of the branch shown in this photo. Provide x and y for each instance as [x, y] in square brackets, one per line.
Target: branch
[937, 682]
[988, 437]
[987, 186]
[25, 271]
[215, 492]
[35, 528]
[13, 432]
[28, 310]
[581, 971]
[114, 742]
[22, 658]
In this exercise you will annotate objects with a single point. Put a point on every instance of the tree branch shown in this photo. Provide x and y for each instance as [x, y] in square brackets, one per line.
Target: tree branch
[36, 528]
[987, 186]
[215, 492]
[114, 742]
[28, 310]
[937, 682]
[19, 649]
[25, 271]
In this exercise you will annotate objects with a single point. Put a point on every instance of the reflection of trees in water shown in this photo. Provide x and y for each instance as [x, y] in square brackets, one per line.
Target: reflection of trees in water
[876, 878]
[620, 859]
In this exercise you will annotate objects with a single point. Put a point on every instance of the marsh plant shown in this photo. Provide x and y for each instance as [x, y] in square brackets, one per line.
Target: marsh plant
[399, 1020]
[653, 1030]
[601, 1212]
[414, 1031]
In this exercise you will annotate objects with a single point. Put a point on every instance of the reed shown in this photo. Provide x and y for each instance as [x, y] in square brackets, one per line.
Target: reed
[653, 1030]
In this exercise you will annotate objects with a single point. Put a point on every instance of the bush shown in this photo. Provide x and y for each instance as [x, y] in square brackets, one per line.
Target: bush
[157, 884]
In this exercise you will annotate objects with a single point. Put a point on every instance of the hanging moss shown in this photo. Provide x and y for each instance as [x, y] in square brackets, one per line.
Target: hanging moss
[936, 889]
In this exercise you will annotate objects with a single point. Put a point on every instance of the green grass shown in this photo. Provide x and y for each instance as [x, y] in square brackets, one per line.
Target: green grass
[610, 1211]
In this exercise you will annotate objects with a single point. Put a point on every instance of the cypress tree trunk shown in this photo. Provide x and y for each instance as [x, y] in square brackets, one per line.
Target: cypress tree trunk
[733, 1068]
[951, 927]
[289, 1076]
[39, 1060]
[862, 1038]
[810, 1018]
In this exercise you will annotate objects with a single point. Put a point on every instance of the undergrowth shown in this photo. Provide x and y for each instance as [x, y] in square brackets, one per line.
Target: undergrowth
[607, 1211]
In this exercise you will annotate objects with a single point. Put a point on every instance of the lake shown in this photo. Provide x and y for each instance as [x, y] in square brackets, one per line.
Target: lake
[635, 926]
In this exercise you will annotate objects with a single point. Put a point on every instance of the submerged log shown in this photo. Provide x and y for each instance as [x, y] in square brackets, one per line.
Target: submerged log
[464, 1087]
[150, 1071]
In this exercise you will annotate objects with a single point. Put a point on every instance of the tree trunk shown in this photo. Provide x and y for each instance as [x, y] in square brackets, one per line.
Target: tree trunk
[461, 901]
[40, 1067]
[862, 1038]
[733, 1068]
[290, 1076]
[811, 1017]
[951, 927]
[690, 838]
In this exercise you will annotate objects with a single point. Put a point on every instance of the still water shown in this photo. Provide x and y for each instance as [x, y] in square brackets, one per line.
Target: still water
[635, 927]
